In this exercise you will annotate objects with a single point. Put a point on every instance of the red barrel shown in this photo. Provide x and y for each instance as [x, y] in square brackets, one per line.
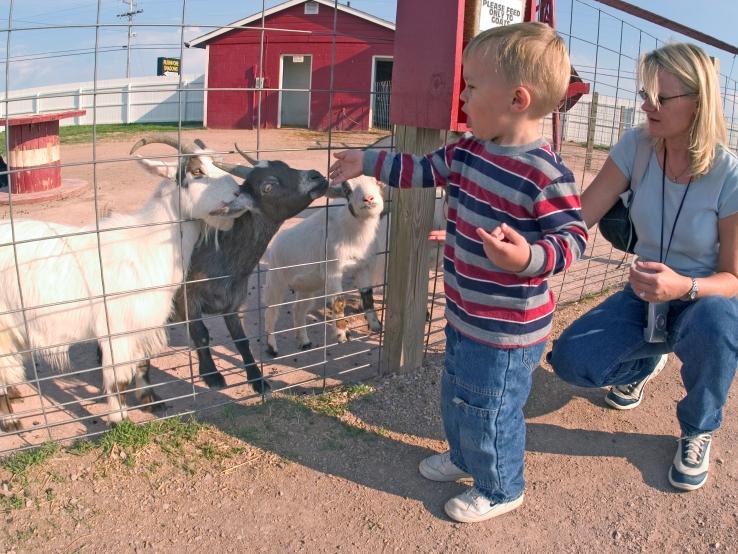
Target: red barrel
[34, 158]
[34, 148]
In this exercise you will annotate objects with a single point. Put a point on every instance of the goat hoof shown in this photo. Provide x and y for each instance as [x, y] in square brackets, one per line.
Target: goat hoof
[272, 351]
[114, 424]
[12, 392]
[306, 346]
[153, 404]
[10, 424]
[261, 386]
[214, 380]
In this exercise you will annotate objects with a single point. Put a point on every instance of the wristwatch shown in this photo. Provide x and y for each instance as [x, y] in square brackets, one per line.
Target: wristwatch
[692, 294]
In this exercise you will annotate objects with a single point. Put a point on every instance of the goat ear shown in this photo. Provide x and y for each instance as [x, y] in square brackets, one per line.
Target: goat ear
[159, 168]
[335, 191]
[240, 204]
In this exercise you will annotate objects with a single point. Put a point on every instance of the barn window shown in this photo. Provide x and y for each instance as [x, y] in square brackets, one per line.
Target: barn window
[312, 8]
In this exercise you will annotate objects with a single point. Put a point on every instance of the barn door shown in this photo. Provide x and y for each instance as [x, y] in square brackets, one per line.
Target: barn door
[382, 80]
[294, 110]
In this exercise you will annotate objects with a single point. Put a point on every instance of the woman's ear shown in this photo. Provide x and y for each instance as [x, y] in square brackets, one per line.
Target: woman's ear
[521, 99]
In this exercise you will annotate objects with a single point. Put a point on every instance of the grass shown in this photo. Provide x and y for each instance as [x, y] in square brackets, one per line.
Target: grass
[126, 437]
[74, 134]
[130, 438]
[334, 402]
[19, 463]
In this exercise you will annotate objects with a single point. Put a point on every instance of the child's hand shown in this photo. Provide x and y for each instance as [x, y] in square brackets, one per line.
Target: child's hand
[350, 164]
[437, 235]
[506, 248]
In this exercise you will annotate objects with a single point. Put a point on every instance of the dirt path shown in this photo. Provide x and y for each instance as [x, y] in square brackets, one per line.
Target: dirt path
[342, 477]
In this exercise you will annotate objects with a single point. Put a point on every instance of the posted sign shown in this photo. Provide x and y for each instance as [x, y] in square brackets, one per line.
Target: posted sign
[165, 66]
[495, 13]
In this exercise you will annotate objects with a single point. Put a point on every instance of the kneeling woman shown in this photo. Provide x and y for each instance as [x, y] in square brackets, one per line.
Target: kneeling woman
[685, 212]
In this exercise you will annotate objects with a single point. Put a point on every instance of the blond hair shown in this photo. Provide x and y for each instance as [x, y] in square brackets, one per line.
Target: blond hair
[529, 54]
[695, 71]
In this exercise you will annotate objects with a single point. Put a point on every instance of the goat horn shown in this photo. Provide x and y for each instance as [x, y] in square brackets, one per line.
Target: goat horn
[164, 139]
[251, 160]
[237, 170]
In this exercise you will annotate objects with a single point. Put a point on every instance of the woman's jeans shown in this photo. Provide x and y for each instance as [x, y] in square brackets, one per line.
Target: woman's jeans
[483, 391]
[606, 347]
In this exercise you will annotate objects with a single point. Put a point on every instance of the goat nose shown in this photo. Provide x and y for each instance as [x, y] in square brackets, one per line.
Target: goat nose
[315, 175]
[369, 198]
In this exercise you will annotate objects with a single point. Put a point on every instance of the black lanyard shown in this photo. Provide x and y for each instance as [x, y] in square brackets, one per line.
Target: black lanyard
[662, 256]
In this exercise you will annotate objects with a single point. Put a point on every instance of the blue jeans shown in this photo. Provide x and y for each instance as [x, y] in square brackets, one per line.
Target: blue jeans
[483, 391]
[605, 347]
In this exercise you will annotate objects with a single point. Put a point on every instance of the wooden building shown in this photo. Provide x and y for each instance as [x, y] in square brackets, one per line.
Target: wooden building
[283, 76]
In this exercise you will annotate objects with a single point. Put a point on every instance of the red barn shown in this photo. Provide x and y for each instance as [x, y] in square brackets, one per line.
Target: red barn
[300, 67]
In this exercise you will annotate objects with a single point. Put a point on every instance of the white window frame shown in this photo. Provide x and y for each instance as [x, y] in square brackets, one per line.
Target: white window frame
[310, 87]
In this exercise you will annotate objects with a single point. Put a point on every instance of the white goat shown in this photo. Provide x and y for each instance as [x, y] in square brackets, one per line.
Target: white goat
[63, 296]
[352, 229]
[375, 264]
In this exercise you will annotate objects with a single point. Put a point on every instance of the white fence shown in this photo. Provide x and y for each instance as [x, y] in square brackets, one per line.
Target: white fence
[158, 100]
[138, 100]
[612, 116]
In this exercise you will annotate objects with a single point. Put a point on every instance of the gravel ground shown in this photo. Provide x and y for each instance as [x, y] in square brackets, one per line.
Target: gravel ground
[337, 473]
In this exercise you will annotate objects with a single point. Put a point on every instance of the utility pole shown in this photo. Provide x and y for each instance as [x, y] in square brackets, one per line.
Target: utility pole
[129, 14]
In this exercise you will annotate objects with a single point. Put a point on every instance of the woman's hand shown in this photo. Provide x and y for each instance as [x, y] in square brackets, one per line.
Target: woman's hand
[350, 164]
[506, 248]
[656, 282]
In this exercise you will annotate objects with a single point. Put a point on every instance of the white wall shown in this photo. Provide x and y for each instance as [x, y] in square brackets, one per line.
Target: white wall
[138, 100]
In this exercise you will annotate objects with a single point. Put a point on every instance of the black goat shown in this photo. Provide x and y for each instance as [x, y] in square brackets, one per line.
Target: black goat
[220, 276]
[3, 174]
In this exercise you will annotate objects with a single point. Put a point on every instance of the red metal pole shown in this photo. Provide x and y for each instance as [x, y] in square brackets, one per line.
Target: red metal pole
[547, 15]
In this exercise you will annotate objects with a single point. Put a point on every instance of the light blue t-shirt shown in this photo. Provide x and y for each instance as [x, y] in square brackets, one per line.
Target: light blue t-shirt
[714, 196]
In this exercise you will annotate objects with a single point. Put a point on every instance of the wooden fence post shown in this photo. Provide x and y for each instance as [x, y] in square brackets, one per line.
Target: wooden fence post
[591, 127]
[407, 271]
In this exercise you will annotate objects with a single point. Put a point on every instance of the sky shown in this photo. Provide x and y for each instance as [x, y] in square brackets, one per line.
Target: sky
[53, 41]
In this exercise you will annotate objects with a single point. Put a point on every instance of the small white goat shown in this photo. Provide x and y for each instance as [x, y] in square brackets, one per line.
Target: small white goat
[59, 299]
[352, 229]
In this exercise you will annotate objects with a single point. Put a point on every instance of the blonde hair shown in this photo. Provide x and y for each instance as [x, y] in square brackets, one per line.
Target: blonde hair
[529, 54]
[695, 71]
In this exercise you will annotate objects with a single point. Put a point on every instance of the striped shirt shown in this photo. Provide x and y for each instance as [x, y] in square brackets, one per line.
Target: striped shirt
[529, 188]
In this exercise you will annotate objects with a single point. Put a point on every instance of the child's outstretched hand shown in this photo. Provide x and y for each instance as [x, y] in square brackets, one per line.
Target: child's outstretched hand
[506, 248]
[349, 164]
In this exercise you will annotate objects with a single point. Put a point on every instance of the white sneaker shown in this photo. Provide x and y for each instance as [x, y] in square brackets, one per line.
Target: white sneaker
[627, 397]
[471, 506]
[439, 467]
[691, 462]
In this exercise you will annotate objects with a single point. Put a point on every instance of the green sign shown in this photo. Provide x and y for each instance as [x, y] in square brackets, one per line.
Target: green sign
[167, 65]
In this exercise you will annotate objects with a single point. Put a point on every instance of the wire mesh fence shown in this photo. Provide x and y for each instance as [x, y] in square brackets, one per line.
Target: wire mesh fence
[327, 102]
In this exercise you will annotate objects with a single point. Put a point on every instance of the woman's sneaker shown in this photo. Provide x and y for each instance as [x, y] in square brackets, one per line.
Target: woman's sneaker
[691, 462]
[627, 397]
[439, 467]
[471, 506]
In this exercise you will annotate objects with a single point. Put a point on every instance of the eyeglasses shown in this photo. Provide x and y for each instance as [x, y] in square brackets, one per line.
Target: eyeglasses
[661, 99]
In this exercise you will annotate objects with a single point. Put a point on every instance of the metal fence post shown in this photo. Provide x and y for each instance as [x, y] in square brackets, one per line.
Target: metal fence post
[591, 127]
